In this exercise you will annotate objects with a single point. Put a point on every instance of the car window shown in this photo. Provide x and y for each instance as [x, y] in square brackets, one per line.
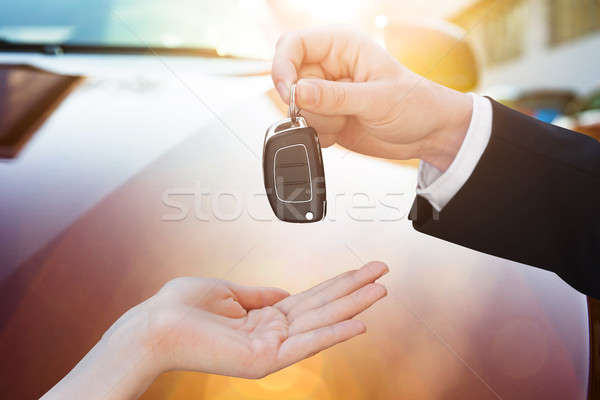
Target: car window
[155, 23]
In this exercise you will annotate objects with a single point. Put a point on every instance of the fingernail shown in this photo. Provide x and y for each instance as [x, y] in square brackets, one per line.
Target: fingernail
[377, 267]
[386, 269]
[308, 93]
[283, 90]
[364, 328]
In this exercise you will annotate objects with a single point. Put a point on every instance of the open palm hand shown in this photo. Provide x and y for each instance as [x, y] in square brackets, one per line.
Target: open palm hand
[219, 327]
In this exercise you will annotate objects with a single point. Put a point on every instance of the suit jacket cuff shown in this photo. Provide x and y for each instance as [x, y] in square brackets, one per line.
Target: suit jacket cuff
[439, 188]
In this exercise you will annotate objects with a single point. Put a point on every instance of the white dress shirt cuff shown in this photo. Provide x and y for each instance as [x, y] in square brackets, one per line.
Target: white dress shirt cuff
[439, 188]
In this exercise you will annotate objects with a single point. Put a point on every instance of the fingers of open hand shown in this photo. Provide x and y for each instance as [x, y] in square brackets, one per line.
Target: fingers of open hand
[287, 304]
[345, 285]
[339, 310]
[331, 289]
[303, 345]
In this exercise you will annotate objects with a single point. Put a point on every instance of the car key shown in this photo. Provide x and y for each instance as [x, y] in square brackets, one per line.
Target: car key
[293, 169]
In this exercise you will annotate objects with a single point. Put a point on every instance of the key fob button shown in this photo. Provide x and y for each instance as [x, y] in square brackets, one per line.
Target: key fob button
[292, 174]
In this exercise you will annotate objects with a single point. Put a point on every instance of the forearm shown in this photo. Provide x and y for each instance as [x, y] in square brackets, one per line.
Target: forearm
[118, 367]
[532, 198]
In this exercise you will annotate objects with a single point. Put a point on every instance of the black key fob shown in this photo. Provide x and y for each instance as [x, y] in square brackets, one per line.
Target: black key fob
[293, 171]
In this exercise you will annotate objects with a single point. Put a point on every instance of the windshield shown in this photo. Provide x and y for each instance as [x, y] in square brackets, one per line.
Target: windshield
[128, 23]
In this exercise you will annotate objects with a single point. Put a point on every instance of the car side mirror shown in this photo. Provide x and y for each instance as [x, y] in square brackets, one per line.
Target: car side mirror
[438, 52]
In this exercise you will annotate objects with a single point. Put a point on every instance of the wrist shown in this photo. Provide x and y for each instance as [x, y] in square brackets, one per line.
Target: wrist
[119, 366]
[452, 111]
[129, 344]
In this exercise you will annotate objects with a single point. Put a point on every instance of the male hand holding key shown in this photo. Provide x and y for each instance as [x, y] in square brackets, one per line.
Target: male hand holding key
[491, 179]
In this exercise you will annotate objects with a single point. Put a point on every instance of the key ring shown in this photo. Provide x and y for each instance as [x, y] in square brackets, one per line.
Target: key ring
[294, 111]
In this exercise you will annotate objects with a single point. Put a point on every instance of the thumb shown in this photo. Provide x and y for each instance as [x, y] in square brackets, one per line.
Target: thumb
[332, 98]
[251, 297]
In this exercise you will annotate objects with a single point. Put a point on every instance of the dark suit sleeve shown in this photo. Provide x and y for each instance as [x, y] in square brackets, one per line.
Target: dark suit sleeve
[534, 198]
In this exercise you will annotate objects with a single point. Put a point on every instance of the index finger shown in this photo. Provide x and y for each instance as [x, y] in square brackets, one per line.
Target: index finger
[332, 289]
[368, 273]
[303, 47]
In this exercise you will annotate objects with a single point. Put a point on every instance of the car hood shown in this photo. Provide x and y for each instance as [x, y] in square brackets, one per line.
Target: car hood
[128, 112]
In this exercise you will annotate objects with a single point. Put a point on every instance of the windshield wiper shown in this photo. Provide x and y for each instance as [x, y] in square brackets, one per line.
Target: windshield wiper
[74, 48]
[7, 45]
